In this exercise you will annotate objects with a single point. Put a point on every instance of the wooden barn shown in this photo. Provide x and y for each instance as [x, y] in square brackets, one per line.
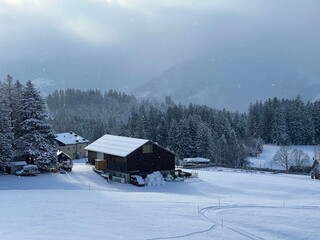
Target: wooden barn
[126, 156]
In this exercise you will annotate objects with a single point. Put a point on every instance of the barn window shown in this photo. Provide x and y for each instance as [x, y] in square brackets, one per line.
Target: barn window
[147, 148]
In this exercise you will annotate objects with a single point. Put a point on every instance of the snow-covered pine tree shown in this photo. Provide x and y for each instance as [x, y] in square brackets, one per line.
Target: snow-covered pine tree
[6, 134]
[316, 120]
[279, 130]
[232, 155]
[184, 140]
[173, 137]
[255, 123]
[240, 121]
[222, 147]
[308, 125]
[153, 120]
[193, 122]
[204, 141]
[162, 133]
[36, 136]
[295, 115]
[142, 122]
[15, 107]
[267, 116]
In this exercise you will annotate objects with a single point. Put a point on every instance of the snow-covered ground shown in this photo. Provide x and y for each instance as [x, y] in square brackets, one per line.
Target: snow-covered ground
[265, 158]
[220, 204]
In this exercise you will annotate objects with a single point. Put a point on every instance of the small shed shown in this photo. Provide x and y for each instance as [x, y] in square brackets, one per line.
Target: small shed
[62, 156]
[127, 156]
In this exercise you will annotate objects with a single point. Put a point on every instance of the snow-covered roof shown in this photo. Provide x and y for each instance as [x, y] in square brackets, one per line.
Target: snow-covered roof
[196, 160]
[116, 145]
[70, 138]
[61, 152]
[19, 163]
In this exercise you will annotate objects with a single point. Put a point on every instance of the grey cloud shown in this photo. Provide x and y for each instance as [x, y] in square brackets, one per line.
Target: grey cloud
[120, 44]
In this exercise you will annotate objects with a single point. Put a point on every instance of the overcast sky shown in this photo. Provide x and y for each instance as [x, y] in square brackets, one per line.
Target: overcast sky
[121, 43]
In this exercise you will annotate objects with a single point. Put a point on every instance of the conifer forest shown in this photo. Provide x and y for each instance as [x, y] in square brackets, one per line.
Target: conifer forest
[29, 123]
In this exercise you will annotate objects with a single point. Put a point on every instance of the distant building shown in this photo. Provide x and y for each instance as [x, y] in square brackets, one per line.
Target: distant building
[126, 156]
[62, 156]
[72, 144]
[197, 161]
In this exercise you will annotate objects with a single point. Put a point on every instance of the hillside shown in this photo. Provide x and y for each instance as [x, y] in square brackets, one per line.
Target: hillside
[233, 81]
[218, 205]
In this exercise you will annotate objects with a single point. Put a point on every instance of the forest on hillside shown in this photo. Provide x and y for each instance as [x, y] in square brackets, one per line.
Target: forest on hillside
[29, 123]
[225, 137]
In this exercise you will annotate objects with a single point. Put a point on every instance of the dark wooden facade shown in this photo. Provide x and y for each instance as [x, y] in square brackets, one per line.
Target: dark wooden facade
[146, 159]
[92, 156]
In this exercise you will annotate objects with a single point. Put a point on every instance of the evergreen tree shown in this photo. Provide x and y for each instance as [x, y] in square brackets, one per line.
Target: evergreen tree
[204, 141]
[15, 107]
[193, 123]
[308, 125]
[36, 136]
[316, 120]
[162, 133]
[6, 134]
[152, 123]
[279, 130]
[173, 137]
[222, 147]
[232, 154]
[255, 123]
[240, 125]
[268, 114]
[184, 140]
[295, 121]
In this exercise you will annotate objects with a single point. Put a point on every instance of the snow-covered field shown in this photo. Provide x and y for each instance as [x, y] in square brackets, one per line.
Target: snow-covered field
[265, 158]
[218, 205]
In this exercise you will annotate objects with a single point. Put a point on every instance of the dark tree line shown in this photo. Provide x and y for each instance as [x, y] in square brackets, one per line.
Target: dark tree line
[89, 113]
[194, 130]
[189, 131]
[285, 122]
[227, 138]
[24, 130]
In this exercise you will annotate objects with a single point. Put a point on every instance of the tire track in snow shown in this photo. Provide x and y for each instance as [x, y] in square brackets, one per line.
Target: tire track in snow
[240, 231]
[186, 235]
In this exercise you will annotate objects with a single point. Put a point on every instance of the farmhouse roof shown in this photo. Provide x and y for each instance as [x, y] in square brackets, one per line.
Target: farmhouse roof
[69, 138]
[116, 145]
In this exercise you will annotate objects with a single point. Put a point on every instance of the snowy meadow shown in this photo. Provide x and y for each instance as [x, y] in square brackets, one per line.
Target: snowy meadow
[220, 204]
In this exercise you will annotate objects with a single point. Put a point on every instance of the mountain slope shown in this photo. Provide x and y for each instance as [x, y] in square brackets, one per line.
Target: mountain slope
[234, 81]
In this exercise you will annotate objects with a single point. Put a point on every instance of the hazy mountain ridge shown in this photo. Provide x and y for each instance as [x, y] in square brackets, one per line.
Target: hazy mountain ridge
[233, 82]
